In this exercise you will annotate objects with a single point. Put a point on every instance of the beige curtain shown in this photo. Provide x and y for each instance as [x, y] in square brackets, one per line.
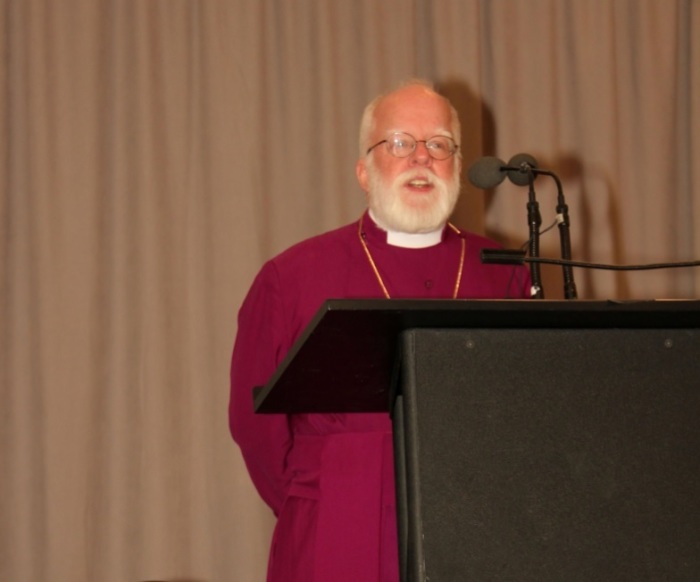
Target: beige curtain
[156, 152]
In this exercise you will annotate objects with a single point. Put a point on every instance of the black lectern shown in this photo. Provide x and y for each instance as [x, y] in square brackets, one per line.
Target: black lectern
[542, 440]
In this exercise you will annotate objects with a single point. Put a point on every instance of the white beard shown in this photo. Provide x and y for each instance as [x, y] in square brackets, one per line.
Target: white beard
[402, 211]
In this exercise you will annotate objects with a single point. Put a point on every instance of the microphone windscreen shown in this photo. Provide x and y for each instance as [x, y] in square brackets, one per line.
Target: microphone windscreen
[486, 172]
[521, 163]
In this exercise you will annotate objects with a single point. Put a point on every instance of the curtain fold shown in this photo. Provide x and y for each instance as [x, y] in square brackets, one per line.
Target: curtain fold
[154, 154]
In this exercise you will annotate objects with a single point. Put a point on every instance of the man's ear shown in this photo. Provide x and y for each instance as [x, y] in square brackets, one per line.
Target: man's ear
[361, 173]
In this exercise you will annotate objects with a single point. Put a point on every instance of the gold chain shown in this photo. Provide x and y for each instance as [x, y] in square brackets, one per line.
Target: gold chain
[379, 277]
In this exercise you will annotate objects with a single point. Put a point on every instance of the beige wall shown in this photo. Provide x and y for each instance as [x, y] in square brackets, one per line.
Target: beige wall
[156, 152]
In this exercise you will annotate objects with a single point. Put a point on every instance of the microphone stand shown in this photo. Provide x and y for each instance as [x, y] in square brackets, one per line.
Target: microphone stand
[564, 238]
[490, 171]
[534, 220]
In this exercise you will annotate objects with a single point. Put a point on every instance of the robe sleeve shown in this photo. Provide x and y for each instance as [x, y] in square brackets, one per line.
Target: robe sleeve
[261, 343]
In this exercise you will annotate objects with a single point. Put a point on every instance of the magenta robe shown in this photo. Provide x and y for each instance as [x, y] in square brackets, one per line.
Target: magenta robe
[329, 477]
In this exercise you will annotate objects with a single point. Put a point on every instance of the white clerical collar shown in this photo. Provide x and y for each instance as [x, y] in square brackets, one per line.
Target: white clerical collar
[408, 240]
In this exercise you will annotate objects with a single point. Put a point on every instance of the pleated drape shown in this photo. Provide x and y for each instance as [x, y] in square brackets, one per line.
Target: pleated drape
[153, 153]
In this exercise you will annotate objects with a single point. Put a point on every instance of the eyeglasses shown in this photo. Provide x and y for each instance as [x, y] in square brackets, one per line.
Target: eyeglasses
[402, 145]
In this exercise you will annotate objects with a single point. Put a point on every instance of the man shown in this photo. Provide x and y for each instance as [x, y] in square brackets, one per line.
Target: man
[329, 477]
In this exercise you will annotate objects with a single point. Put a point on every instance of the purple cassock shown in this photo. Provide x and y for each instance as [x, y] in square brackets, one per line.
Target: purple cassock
[329, 477]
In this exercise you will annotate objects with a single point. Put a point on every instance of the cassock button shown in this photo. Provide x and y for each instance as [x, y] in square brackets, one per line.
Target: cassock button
[428, 284]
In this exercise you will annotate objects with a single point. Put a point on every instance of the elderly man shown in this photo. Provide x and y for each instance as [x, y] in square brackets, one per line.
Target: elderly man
[329, 477]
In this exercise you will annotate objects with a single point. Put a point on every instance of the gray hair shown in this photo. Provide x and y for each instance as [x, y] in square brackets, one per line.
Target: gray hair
[368, 120]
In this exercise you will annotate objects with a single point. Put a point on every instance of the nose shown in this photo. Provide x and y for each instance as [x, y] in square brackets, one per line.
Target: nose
[420, 155]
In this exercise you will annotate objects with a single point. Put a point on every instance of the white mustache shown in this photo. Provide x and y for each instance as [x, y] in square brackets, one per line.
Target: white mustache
[422, 175]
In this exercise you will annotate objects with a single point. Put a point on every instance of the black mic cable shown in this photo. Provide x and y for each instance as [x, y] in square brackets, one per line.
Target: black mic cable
[518, 257]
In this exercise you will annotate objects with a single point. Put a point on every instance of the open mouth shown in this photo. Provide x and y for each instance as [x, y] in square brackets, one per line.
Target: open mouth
[419, 183]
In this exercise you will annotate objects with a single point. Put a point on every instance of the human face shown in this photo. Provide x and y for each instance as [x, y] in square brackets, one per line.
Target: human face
[416, 193]
[400, 210]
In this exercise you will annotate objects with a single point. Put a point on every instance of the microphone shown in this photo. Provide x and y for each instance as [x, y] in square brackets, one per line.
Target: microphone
[488, 172]
[519, 167]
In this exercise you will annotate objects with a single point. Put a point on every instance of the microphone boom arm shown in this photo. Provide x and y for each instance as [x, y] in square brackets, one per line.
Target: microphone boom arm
[564, 237]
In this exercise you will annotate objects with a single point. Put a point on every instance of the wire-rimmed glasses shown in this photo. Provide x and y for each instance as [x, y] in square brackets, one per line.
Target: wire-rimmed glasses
[402, 145]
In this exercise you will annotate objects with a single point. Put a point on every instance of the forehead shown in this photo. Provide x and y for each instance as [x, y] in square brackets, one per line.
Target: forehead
[416, 110]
